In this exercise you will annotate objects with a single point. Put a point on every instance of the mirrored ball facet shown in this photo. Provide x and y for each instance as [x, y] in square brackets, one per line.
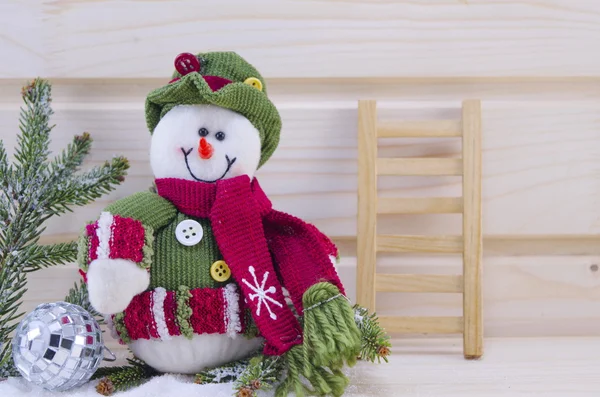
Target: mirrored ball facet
[58, 346]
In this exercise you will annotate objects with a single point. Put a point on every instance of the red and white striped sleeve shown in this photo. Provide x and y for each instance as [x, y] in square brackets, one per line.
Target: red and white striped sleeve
[115, 237]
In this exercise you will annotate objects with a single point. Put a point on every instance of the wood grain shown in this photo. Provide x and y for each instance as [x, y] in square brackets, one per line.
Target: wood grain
[517, 367]
[418, 283]
[419, 167]
[22, 39]
[555, 244]
[422, 325]
[539, 176]
[426, 93]
[431, 244]
[472, 233]
[367, 204]
[287, 38]
[420, 129]
[523, 295]
[420, 205]
[534, 65]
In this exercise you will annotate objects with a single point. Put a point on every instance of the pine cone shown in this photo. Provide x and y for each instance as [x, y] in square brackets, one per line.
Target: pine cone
[255, 384]
[383, 351]
[199, 380]
[245, 392]
[105, 387]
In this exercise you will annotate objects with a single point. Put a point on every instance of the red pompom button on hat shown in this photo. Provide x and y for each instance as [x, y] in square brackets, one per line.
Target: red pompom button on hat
[187, 63]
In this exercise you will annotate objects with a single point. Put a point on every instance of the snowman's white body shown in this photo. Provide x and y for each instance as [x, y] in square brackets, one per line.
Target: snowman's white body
[190, 356]
[175, 153]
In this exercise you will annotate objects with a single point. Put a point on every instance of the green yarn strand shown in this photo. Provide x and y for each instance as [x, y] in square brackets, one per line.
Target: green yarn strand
[184, 311]
[119, 323]
[295, 362]
[147, 249]
[331, 339]
[322, 381]
[330, 331]
[83, 250]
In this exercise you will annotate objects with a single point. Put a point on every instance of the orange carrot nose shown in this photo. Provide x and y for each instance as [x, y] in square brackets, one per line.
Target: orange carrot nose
[205, 149]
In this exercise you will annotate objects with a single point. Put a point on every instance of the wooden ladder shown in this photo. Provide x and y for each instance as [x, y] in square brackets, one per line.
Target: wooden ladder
[369, 243]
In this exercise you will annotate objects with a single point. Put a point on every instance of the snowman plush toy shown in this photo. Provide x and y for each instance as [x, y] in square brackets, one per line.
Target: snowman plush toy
[203, 271]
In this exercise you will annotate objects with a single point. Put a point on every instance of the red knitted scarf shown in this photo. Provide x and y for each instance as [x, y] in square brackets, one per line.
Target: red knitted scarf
[264, 249]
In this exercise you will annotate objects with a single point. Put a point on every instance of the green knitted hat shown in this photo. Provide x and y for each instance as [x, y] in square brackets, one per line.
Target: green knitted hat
[223, 79]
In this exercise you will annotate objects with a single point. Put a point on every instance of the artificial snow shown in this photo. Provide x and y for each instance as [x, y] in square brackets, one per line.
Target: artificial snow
[162, 386]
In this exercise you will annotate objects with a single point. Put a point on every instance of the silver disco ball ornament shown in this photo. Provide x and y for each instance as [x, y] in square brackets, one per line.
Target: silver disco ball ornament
[58, 346]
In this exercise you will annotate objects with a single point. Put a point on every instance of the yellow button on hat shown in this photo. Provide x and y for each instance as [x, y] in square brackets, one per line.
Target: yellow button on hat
[220, 272]
[254, 82]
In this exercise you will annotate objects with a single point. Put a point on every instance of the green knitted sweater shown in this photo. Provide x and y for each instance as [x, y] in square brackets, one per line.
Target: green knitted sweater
[142, 228]
[172, 264]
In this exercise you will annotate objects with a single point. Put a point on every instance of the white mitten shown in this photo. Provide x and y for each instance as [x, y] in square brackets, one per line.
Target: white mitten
[112, 283]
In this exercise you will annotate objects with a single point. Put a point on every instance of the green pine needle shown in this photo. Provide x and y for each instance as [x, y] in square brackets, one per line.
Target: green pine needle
[375, 343]
[34, 188]
[258, 372]
[51, 255]
[123, 378]
[222, 374]
[261, 373]
[78, 295]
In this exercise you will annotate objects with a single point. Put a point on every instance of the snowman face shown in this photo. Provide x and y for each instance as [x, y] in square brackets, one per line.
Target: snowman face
[204, 143]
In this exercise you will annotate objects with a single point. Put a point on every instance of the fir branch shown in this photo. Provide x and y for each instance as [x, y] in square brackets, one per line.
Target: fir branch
[4, 166]
[375, 343]
[3, 157]
[7, 368]
[70, 159]
[261, 373]
[222, 374]
[87, 187]
[258, 372]
[32, 190]
[12, 289]
[33, 141]
[123, 378]
[78, 295]
[5, 177]
[50, 255]
[133, 362]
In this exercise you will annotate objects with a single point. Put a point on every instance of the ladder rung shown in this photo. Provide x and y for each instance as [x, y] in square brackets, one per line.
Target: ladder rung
[419, 166]
[419, 129]
[418, 283]
[419, 325]
[420, 205]
[435, 244]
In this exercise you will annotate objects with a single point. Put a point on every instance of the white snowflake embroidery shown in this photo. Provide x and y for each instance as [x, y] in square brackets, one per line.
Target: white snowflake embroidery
[261, 293]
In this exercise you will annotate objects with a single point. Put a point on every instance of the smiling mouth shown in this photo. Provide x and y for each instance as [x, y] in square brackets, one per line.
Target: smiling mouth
[229, 164]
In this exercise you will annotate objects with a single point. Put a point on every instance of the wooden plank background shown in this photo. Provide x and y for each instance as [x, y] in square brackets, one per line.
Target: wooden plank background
[534, 64]
[323, 38]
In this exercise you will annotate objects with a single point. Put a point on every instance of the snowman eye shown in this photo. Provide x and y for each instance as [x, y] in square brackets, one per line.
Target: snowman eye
[220, 135]
[203, 131]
